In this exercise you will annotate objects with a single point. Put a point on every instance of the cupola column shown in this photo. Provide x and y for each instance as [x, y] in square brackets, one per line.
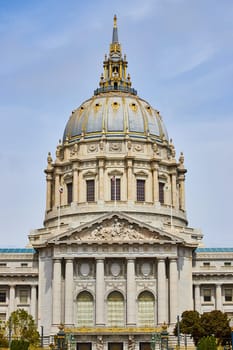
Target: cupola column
[130, 181]
[155, 183]
[33, 301]
[174, 193]
[101, 180]
[182, 192]
[57, 192]
[48, 192]
[75, 185]
[12, 299]
[218, 294]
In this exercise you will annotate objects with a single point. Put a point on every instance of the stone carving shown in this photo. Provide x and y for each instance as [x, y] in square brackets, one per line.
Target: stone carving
[99, 343]
[131, 343]
[115, 147]
[74, 150]
[138, 148]
[116, 230]
[92, 148]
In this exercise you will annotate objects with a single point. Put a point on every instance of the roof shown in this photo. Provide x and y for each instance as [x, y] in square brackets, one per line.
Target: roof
[17, 250]
[212, 250]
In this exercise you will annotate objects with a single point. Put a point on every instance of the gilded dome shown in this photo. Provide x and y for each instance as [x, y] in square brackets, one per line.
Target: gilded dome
[115, 109]
[116, 114]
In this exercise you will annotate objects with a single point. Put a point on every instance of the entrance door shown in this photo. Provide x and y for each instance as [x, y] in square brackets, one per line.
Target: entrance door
[145, 346]
[83, 346]
[115, 346]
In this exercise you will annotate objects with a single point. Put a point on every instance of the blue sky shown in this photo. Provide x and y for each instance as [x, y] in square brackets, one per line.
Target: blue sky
[180, 55]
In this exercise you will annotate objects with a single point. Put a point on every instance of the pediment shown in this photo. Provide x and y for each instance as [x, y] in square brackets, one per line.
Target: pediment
[112, 228]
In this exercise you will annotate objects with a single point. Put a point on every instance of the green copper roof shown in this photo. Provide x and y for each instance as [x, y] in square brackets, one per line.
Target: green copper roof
[212, 250]
[17, 250]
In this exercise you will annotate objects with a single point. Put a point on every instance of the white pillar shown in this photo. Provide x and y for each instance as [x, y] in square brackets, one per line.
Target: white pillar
[12, 300]
[131, 289]
[173, 285]
[100, 288]
[197, 298]
[162, 294]
[69, 292]
[57, 292]
[33, 302]
[218, 297]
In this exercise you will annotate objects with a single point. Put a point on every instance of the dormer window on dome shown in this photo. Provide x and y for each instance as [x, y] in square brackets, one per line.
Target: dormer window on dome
[115, 77]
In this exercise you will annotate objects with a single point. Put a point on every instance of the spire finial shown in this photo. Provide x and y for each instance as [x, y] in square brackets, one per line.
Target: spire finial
[115, 21]
[115, 32]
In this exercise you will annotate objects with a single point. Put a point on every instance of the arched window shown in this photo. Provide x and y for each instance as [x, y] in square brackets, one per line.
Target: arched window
[146, 312]
[115, 310]
[85, 310]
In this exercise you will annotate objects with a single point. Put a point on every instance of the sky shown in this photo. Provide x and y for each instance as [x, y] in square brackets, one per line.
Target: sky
[180, 58]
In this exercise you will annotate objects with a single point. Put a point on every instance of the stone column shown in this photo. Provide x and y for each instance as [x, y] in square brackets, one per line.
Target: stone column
[57, 292]
[173, 285]
[56, 190]
[218, 294]
[69, 293]
[49, 192]
[174, 199]
[162, 292]
[130, 181]
[182, 192]
[155, 183]
[131, 289]
[12, 299]
[101, 180]
[197, 298]
[33, 302]
[75, 185]
[100, 289]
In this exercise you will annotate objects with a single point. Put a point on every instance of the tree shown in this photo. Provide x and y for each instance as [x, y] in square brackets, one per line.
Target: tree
[207, 343]
[214, 323]
[3, 338]
[22, 326]
[190, 324]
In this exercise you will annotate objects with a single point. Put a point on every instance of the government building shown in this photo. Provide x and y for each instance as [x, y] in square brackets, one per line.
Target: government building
[115, 259]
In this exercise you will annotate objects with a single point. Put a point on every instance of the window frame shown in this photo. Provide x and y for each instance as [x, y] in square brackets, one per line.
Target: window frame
[115, 188]
[90, 190]
[141, 190]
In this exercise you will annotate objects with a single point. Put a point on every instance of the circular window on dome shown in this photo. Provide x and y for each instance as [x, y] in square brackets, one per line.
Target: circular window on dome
[115, 105]
[146, 269]
[85, 269]
[134, 107]
[115, 269]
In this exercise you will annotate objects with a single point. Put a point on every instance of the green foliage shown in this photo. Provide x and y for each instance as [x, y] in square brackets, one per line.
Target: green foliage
[207, 343]
[3, 339]
[22, 326]
[214, 323]
[19, 345]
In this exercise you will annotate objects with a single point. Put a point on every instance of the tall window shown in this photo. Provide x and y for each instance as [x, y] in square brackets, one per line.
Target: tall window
[115, 310]
[146, 313]
[2, 296]
[207, 295]
[23, 296]
[69, 192]
[115, 189]
[85, 310]
[90, 190]
[161, 192]
[228, 294]
[141, 190]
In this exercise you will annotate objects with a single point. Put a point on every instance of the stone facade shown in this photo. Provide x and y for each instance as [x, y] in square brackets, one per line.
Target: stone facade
[116, 258]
